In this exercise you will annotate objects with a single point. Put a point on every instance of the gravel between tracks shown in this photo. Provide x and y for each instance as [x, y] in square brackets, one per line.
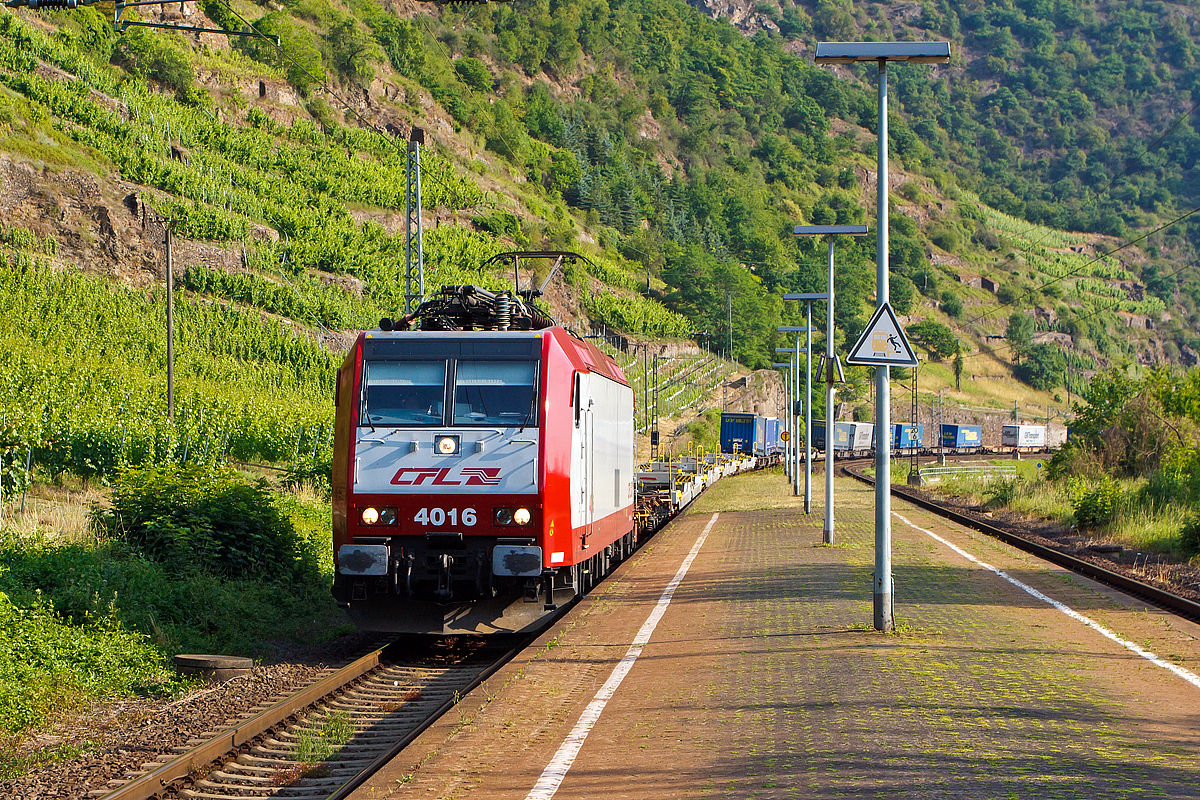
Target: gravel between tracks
[120, 736]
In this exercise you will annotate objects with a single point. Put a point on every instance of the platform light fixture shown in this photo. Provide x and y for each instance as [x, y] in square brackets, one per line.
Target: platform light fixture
[881, 53]
[794, 463]
[829, 231]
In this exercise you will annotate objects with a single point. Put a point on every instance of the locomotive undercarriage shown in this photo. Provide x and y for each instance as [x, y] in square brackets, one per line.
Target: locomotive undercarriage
[445, 584]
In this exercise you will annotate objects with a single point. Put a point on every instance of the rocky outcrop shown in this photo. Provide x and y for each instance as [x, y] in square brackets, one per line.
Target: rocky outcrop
[742, 14]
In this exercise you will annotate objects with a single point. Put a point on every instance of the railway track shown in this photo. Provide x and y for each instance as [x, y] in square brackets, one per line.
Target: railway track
[322, 742]
[1162, 598]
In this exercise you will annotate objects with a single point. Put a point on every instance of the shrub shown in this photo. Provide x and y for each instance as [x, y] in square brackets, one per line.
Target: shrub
[205, 520]
[951, 305]
[154, 56]
[474, 73]
[47, 664]
[945, 237]
[1189, 536]
[309, 471]
[1095, 504]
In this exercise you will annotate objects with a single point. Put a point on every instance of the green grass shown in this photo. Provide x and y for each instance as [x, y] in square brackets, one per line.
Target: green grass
[92, 617]
[50, 666]
[313, 746]
[1136, 523]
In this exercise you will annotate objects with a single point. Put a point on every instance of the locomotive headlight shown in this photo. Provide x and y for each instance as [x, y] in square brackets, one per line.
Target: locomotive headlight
[504, 516]
[521, 516]
[370, 516]
[387, 516]
[446, 445]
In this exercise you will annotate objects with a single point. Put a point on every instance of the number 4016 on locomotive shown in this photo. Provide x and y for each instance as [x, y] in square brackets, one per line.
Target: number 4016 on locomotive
[483, 467]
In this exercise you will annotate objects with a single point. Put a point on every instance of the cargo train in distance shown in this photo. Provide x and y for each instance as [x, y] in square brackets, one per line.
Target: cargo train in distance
[483, 469]
[857, 439]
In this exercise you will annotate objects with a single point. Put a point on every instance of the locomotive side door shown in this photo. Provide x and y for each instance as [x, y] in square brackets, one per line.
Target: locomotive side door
[584, 501]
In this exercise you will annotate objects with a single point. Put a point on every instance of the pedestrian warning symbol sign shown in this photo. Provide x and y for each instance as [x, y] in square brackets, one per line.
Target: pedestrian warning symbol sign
[883, 343]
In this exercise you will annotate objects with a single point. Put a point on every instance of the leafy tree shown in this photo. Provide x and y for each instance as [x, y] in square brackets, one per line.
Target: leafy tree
[935, 337]
[1019, 334]
[474, 73]
[902, 293]
[402, 43]
[1044, 367]
[958, 365]
[304, 67]
[352, 51]
[155, 56]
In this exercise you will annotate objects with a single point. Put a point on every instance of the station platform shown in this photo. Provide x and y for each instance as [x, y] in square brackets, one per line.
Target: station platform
[762, 678]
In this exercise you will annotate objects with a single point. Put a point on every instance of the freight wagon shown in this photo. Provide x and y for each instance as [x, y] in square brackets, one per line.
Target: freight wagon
[962, 437]
[907, 436]
[1023, 436]
[848, 437]
[863, 436]
[749, 434]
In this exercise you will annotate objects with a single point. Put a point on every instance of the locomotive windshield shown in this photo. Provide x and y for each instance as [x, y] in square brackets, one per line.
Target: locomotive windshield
[485, 393]
[495, 393]
[403, 393]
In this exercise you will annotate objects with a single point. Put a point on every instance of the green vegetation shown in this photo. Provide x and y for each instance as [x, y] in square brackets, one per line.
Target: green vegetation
[48, 665]
[1131, 471]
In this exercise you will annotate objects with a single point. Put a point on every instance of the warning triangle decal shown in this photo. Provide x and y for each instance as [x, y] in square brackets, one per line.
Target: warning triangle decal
[883, 343]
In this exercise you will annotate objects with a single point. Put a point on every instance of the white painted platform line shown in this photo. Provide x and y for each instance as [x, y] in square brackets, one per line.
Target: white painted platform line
[1186, 674]
[556, 770]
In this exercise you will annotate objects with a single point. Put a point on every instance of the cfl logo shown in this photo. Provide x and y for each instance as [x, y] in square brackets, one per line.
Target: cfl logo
[434, 476]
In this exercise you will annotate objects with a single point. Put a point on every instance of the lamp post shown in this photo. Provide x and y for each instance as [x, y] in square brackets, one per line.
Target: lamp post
[808, 300]
[790, 460]
[795, 454]
[830, 365]
[787, 390]
[881, 53]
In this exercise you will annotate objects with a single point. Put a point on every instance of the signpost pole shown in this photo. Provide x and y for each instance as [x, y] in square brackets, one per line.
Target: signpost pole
[881, 53]
[883, 472]
[792, 418]
[830, 376]
[808, 410]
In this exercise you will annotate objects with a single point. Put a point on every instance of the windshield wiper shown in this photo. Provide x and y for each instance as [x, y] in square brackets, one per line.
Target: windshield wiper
[532, 407]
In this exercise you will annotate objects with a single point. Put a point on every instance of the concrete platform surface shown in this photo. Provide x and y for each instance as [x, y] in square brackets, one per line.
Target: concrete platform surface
[763, 678]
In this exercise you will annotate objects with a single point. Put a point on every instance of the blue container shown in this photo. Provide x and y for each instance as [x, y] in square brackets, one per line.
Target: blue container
[740, 432]
[907, 435]
[771, 429]
[962, 436]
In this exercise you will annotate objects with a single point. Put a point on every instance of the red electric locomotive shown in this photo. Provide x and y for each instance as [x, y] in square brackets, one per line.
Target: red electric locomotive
[483, 468]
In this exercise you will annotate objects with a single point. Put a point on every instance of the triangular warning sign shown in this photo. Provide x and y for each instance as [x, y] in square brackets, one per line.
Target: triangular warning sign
[883, 343]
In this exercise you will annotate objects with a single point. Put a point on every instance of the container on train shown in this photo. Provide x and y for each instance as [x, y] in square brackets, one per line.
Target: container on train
[739, 432]
[863, 437]
[960, 436]
[843, 435]
[906, 435]
[1023, 436]
[771, 443]
[747, 433]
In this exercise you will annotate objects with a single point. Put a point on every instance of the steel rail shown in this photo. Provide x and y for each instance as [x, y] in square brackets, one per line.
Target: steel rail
[384, 758]
[160, 779]
[1168, 601]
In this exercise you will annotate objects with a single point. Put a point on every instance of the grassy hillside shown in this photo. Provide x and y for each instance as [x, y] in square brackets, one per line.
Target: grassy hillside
[672, 148]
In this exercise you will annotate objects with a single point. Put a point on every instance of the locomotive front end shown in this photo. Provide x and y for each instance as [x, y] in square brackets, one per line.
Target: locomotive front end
[441, 527]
